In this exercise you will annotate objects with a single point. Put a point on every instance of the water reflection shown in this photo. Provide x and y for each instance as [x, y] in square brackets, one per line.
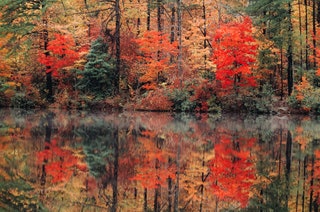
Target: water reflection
[79, 161]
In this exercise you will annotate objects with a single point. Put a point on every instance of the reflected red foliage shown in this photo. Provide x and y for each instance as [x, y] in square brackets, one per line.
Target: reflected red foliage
[60, 163]
[232, 171]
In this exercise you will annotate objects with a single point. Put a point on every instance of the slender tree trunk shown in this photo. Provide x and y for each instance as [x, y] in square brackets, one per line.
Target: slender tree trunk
[115, 171]
[318, 13]
[300, 37]
[290, 51]
[159, 15]
[145, 198]
[306, 37]
[312, 179]
[204, 32]
[148, 14]
[45, 38]
[118, 47]
[305, 163]
[138, 22]
[314, 31]
[288, 166]
[173, 22]
[177, 187]
[169, 194]
[47, 139]
[299, 175]
[180, 42]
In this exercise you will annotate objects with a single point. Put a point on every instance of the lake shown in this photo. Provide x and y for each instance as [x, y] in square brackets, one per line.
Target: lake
[142, 161]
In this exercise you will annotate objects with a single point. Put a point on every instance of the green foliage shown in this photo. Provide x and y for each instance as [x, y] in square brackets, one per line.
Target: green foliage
[3, 98]
[98, 141]
[259, 101]
[213, 105]
[20, 100]
[181, 100]
[19, 18]
[97, 78]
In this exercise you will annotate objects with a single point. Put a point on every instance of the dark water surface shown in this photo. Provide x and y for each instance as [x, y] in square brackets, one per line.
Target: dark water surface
[134, 161]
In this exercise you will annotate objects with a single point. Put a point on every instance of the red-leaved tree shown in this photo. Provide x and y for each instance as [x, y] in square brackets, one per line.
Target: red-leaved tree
[234, 53]
[61, 54]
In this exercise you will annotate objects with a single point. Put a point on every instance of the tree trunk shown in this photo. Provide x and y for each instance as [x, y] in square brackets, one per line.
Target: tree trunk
[307, 37]
[314, 31]
[290, 51]
[45, 39]
[115, 171]
[118, 47]
[180, 42]
[148, 14]
[300, 37]
[145, 198]
[288, 166]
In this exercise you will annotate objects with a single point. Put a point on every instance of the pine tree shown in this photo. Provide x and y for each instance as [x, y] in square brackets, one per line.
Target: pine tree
[97, 78]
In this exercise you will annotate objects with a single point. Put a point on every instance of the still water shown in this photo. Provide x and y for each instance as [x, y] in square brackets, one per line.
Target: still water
[134, 161]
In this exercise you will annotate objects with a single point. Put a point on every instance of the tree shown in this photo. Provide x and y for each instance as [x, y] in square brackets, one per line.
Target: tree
[234, 53]
[155, 52]
[62, 54]
[97, 78]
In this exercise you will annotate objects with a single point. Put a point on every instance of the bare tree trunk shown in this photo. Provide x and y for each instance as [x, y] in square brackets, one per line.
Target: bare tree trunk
[145, 202]
[118, 47]
[180, 42]
[290, 51]
[114, 182]
[148, 14]
[306, 37]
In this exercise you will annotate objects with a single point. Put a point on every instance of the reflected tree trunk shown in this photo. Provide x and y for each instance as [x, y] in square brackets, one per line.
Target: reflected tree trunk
[145, 198]
[48, 133]
[288, 166]
[176, 187]
[115, 171]
[169, 194]
[305, 163]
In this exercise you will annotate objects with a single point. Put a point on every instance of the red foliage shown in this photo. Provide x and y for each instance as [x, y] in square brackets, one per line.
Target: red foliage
[232, 172]
[61, 54]
[60, 163]
[234, 53]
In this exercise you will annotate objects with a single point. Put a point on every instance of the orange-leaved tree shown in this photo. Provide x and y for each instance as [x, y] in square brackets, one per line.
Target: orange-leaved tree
[234, 53]
[156, 52]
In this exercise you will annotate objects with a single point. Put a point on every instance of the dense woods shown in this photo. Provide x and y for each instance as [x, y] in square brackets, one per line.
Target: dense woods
[204, 56]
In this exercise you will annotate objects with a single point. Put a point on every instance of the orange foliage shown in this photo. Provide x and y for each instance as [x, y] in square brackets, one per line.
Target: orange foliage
[155, 51]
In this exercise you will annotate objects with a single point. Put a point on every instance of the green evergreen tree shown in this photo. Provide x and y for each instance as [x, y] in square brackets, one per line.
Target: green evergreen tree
[97, 78]
[274, 19]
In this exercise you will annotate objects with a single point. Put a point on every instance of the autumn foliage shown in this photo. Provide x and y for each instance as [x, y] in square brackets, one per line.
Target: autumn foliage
[60, 54]
[155, 52]
[232, 171]
[234, 53]
[60, 163]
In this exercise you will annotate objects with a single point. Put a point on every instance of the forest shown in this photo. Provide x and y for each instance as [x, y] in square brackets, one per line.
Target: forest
[161, 55]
